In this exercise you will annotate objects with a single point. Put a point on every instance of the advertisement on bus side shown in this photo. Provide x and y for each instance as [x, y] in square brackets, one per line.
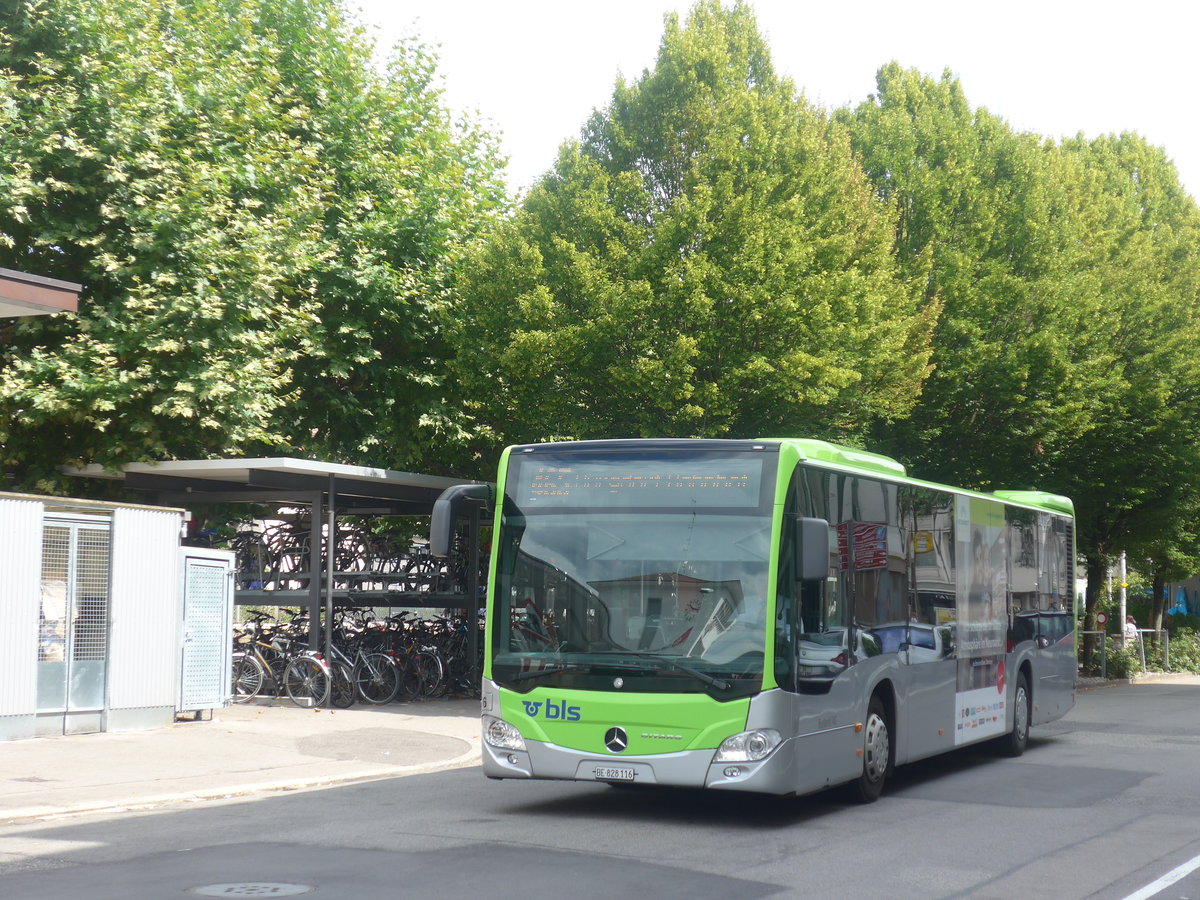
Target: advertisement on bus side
[982, 616]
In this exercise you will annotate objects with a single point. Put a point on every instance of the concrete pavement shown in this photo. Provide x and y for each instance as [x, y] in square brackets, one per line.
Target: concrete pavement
[241, 750]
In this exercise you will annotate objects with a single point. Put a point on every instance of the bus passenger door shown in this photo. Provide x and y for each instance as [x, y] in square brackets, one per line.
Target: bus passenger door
[1054, 680]
[929, 646]
[929, 655]
[1056, 666]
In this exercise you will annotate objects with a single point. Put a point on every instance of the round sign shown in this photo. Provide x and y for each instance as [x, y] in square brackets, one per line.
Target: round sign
[1101, 619]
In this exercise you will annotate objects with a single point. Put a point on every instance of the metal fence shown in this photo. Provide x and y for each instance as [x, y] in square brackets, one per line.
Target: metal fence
[1120, 640]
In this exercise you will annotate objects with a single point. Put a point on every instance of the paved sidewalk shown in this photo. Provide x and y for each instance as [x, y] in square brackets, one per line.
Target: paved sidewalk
[258, 747]
[262, 746]
[1090, 683]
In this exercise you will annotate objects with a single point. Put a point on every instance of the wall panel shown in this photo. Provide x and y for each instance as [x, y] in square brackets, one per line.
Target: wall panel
[20, 575]
[145, 611]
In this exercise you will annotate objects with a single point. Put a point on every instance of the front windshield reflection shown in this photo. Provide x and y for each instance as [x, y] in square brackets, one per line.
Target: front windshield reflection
[675, 601]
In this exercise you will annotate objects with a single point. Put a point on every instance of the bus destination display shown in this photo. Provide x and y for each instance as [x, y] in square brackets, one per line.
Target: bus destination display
[640, 483]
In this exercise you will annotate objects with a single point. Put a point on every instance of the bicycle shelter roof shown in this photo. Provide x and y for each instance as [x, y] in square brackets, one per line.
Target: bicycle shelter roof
[281, 481]
[23, 294]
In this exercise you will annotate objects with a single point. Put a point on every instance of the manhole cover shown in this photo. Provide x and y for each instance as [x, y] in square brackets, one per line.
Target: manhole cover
[252, 889]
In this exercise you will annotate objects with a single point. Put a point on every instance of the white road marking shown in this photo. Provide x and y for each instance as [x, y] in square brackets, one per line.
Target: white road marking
[1160, 884]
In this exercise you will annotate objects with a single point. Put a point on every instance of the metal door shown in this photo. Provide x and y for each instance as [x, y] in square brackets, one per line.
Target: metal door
[73, 626]
[207, 621]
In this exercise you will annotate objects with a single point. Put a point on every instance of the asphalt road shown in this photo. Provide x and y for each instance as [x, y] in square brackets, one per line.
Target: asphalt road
[1103, 803]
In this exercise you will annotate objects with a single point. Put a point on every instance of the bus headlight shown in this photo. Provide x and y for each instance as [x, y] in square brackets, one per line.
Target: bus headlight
[501, 735]
[749, 746]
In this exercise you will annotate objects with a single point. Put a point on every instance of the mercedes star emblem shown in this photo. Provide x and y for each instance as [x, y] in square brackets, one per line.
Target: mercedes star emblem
[616, 740]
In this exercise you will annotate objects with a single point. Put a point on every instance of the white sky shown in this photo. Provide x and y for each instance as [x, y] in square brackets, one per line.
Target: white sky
[537, 69]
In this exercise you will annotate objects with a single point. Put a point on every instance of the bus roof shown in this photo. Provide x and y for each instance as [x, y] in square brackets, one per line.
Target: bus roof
[819, 452]
[865, 461]
[862, 460]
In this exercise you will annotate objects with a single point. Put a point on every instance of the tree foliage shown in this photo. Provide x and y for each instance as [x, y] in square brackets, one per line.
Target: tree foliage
[1135, 477]
[707, 260]
[990, 214]
[286, 249]
[263, 225]
[1070, 275]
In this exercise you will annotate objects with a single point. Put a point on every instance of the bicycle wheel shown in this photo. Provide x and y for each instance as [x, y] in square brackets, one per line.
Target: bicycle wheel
[409, 681]
[433, 673]
[377, 678]
[460, 677]
[421, 574]
[306, 681]
[342, 691]
[247, 678]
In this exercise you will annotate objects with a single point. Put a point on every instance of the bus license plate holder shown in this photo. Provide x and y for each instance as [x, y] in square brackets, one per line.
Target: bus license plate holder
[614, 773]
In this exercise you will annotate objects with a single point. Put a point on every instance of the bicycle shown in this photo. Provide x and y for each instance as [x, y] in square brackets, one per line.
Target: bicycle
[353, 672]
[422, 670]
[260, 653]
[307, 680]
[372, 677]
[293, 669]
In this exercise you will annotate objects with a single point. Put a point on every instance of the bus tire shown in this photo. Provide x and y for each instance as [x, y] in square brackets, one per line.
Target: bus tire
[1015, 742]
[877, 754]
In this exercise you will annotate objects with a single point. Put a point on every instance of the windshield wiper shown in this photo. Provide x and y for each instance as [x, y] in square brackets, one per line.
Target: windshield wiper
[670, 662]
[548, 670]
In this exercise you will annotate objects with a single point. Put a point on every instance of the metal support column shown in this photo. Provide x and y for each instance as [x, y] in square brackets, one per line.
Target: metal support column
[330, 566]
[314, 572]
[473, 636]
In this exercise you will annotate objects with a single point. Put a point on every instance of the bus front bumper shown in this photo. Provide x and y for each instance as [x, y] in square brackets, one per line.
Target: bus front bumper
[686, 768]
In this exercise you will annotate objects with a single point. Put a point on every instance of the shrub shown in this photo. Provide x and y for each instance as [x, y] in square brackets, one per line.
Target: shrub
[1120, 662]
[1184, 652]
[1123, 662]
[1181, 622]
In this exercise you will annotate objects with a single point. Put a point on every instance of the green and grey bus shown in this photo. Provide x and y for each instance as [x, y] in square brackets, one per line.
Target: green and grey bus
[779, 615]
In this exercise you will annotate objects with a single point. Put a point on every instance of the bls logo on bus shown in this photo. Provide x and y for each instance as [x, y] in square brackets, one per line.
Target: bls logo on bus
[559, 711]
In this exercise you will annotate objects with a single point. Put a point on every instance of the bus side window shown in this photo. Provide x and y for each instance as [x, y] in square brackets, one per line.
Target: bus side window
[875, 553]
[1054, 593]
[1022, 558]
[822, 603]
[787, 617]
[927, 522]
[810, 627]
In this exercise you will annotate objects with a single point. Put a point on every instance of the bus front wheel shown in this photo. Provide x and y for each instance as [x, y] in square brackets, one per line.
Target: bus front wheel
[877, 753]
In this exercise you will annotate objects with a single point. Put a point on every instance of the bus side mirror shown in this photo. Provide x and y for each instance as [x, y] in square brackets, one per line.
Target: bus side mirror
[447, 509]
[812, 549]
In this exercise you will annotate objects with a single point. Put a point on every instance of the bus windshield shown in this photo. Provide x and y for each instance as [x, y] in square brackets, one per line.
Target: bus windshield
[643, 573]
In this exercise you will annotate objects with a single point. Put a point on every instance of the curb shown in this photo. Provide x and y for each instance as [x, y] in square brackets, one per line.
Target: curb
[1091, 684]
[49, 813]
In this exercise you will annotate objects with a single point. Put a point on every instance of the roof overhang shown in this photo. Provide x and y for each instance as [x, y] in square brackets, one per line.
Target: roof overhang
[32, 295]
[281, 481]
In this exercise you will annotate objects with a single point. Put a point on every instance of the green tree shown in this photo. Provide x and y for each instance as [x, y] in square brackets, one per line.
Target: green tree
[989, 214]
[1070, 282]
[408, 190]
[708, 260]
[1135, 477]
[262, 222]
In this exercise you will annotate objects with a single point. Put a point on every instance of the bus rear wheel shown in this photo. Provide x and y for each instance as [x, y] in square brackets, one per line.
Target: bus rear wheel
[1015, 742]
[877, 754]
